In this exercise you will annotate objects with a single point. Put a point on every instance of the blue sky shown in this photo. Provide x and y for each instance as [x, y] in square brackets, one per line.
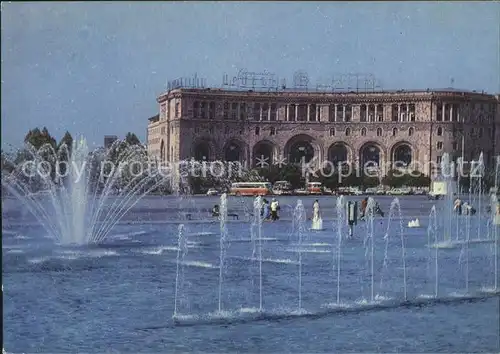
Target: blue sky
[96, 68]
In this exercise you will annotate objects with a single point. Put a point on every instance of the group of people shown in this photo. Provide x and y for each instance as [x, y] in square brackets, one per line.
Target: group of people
[463, 208]
[269, 211]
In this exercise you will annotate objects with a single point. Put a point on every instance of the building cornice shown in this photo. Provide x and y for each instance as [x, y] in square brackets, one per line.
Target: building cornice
[327, 97]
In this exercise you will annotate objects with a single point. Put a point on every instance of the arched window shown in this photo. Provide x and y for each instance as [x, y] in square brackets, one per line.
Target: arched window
[301, 151]
[439, 131]
[337, 153]
[402, 155]
[263, 151]
[410, 131]
[480, 132]
[379, 131]
[273, 131]
[332, 131]
[257, 130]
[233, 152]
[363, 132]
[348, 131]
[394, 131]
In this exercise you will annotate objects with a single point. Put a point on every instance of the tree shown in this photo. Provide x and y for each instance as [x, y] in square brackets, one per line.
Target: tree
[370, 181]
[64, 149]
[417, 179]
[398, 179]
[67, 139]
[290, 173]
[39, 138]
[395, 178]
[132, 139]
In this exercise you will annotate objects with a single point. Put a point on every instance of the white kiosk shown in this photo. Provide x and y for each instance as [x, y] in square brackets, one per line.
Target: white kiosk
[439, 188]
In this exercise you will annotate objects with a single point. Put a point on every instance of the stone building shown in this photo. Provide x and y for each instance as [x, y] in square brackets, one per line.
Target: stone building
[414, 127]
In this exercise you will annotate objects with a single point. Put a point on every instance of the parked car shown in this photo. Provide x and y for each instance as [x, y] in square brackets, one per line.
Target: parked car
[282, 188]
[371, 191]
[301, 191]
[396, 191]
[349, 191]
[407, 191]
[355, 191]
[212, 191]
[329, 191]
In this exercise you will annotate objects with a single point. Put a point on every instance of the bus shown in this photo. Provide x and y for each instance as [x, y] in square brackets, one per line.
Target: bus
[282, 188]
[251, 188]
[315, 188]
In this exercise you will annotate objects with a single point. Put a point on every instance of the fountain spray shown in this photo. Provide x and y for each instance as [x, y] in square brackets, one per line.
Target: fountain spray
[179, 275]
[459, 193]
[446, 177]
[432, 229]
[467, 244]
[497, 216]
[76, 207]
[340, 223]
[480, 172]
[300, 219]
[396, 206]
[223, 239]
[370, 218]
[258, 221]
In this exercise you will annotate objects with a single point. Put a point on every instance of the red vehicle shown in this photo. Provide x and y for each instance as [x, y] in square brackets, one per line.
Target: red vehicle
[315, 188]
[251, 188]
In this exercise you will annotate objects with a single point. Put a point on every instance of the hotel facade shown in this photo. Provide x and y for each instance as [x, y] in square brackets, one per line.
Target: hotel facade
[413, 127]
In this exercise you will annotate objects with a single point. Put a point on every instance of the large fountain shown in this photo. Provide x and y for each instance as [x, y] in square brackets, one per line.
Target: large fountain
[79, 196]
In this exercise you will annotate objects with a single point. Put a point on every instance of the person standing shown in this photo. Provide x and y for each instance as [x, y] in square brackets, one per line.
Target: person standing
[315, 210]
[378, 209]
[265, 208]
[364, 204]
[274, 209]
[215, 211]
[496, 220]
[457, 207]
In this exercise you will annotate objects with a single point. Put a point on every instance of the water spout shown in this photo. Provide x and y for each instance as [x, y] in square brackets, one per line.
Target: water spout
[299, 226]
[179, 274]
[258, 222]
[223, 242]
[340, 206]
[79, 196]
